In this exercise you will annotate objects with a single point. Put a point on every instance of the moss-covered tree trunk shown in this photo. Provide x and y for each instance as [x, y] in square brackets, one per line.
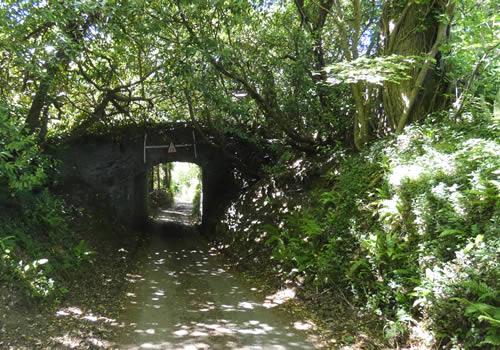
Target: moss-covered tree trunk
[415, 29]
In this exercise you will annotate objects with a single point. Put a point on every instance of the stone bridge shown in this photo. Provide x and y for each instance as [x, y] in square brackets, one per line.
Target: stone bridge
[116, 167]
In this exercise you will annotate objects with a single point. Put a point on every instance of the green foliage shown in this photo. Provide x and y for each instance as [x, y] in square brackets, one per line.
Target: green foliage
[485, 313]
[260, 73]
[21, 165]
[403, 226]
[160, 198]
[475, 44]
[197, 205]
[409, 227]
[440, 210]
[393, 68]
[37, 248]
[35, 242]
[82, 252]
[183, 176]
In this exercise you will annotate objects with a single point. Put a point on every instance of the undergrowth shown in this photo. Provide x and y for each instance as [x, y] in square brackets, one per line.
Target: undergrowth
[38, 249]
[407, 229]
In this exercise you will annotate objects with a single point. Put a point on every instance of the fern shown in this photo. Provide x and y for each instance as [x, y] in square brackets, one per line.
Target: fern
[484, 313]
[484, 292]
[492, 339]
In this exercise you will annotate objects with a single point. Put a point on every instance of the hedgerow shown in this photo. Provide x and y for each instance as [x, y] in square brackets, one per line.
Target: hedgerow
[408, 228]
[37, 248]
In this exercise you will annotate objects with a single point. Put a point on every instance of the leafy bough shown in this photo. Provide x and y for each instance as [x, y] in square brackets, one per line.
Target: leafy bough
[393, 68]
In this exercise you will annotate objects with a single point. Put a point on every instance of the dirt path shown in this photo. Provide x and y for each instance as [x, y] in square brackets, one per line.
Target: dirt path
[181, 213]
[172, 292]
[183, 298]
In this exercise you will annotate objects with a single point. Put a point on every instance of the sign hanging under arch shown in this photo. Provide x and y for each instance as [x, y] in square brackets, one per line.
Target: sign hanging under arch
[171, 148]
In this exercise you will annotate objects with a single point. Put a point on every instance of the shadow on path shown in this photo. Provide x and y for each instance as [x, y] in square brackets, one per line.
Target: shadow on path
[183, 297]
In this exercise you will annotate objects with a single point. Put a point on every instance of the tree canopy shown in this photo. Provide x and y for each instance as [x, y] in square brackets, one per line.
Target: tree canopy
[303, 73]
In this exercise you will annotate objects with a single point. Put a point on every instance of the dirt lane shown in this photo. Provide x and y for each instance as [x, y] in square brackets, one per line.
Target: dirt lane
[182, 297]
[170, 291]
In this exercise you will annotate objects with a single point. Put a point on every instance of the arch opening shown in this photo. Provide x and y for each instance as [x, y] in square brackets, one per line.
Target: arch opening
[175, 193]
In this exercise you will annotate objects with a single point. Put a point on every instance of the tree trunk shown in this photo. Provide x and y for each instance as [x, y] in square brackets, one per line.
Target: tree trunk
[166, 176]
[33, 120]
[158, 177]
[361, 119]
[152, 180]
[414, 29]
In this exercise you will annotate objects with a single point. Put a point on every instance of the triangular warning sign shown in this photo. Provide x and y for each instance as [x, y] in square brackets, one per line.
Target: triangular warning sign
[171, 148]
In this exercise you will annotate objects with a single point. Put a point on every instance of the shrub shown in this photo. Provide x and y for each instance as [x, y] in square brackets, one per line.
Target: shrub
[36, 244]
[21, 165]
[407, 228]
[160, 198]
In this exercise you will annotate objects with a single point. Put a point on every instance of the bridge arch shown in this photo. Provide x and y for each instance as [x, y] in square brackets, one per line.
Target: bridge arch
[115, 167]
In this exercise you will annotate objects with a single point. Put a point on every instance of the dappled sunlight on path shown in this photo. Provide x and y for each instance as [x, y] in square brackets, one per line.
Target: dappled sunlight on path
[181, 213]
[176, 293]
[183, 298]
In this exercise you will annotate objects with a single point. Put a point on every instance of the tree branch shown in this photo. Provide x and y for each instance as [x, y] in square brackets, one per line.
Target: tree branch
[460, 102]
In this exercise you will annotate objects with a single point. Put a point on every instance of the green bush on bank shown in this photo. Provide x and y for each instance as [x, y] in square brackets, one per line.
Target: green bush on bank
[160, 198]
[196, 211]
[21, 165]
[432, 238]
[36, 244]
[408, 228]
